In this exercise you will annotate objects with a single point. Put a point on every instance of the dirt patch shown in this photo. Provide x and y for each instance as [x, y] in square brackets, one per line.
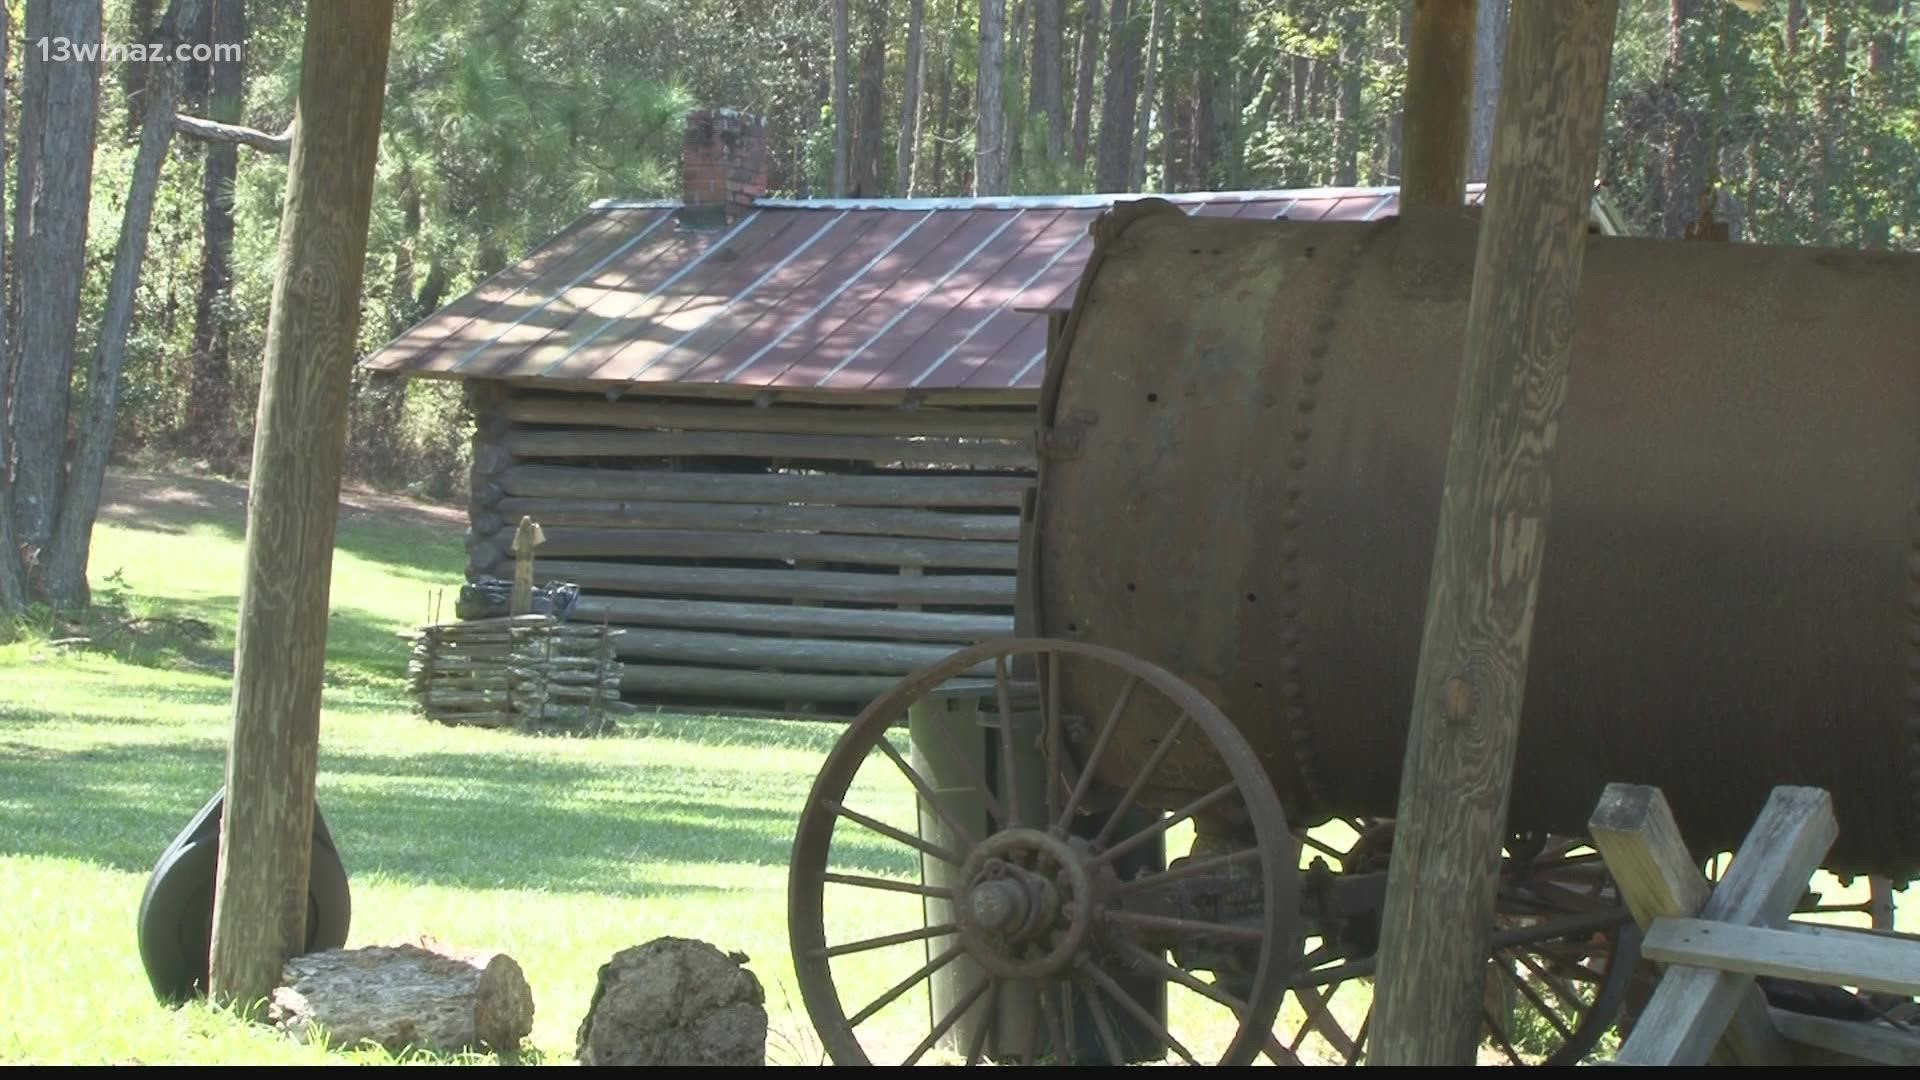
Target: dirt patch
[132, 498]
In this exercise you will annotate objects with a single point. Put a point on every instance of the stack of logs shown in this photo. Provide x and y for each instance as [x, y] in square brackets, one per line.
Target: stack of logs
[528, 672]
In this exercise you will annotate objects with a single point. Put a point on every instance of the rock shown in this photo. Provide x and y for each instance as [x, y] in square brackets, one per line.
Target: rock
[421, 996]
[674, 1001]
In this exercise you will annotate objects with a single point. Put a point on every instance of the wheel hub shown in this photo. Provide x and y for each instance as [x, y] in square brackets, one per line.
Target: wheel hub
[1026, 907]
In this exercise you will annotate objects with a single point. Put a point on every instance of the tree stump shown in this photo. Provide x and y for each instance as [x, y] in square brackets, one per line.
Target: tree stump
[420, 996]
[674, 1001]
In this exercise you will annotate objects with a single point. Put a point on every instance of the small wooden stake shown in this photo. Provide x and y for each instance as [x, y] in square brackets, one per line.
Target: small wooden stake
[525, 538]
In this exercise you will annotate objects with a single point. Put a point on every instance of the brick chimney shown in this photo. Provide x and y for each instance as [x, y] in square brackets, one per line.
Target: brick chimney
[723, 166]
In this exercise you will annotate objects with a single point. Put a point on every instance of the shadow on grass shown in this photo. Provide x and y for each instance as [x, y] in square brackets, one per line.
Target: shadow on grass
[452, 819]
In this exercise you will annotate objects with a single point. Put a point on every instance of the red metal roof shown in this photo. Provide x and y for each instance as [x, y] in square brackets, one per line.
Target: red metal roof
[819, 295]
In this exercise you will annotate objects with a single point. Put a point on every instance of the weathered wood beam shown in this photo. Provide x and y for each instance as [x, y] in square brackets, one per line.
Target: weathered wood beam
[260, 909]
[1689, 1013]
[1007, 454]
[762, 517]
[917, 491]
[791, 419]
[213, 131]
[1821, 1040]
[806, 654]
[1635, 832]
[849, 586]
[1438, 112]
[1829, 955]
[757, 685]
[1458, 772]
[787, 618]
[823, 547]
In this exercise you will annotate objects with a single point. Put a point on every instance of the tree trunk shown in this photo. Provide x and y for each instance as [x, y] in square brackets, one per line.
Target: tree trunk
[1457, 775]
[1397, 124]
[266, 832]
[1113, 151]
[56, 176]
[1830, 124]
[1297, 109]
[990, 119]
[64, 563]
[872, 107]
[1219, 103]
[910, 100]
[1088, 54]
[208, 427]
[1046, 98]
[842, 105]
[13, 574]
[1347, 107]
[1790, 108]
[943, 114]
[1876, 229]
[1489, 53]
[141, 26]
[1137, 168]
[1438, 104]
[1682, 169]
[1176, 114]
[1016, 64]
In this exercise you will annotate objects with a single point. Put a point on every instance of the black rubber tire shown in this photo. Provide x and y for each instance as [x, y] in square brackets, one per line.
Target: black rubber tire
[176, 912]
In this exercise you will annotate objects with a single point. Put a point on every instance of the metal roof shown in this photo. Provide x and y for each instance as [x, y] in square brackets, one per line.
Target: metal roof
[827, 295]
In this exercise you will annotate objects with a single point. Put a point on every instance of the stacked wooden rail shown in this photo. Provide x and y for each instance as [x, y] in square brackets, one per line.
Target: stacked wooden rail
[528, 672]
[793, 558]
[1716, 939]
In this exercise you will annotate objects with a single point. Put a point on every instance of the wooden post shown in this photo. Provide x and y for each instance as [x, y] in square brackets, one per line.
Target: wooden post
[1458, 770]
[1437, 113]
[266, 832]
[526, 537]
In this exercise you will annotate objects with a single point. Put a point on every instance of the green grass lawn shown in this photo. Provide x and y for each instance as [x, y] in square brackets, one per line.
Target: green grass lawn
[558, 851]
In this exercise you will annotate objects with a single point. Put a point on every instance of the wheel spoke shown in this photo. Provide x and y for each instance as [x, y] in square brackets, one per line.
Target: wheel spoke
[1058, 785]
[1359, 1042]
[1320, 1018]
[1323, 848]
[1569, 999]
[893, 993]
[1499, 1038]
[1527, 991]
[1103, 983]
[1031, 1049]
[1190, 868]
[927, 794]
[1085, 780]
[887, 885]
[892, 833]
[901, 938]
[946, 1022]
[1143, 958]
[1103, 1023]
[1140, 779]
[1153, 831]
[978, 1044]
[1056, 1028]
[1141, 921]
[1003, 702]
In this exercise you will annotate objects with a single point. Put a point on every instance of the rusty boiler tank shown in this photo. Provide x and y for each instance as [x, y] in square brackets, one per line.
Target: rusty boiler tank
[1244, 435]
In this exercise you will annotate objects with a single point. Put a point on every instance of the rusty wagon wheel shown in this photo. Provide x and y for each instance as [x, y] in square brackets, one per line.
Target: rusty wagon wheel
[1561, 956]
[1062, 957]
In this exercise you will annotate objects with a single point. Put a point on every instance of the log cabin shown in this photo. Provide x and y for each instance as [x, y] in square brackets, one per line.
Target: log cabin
[784, 442]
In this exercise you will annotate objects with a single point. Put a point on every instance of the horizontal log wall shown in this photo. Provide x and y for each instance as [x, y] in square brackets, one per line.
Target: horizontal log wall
[761, 556]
